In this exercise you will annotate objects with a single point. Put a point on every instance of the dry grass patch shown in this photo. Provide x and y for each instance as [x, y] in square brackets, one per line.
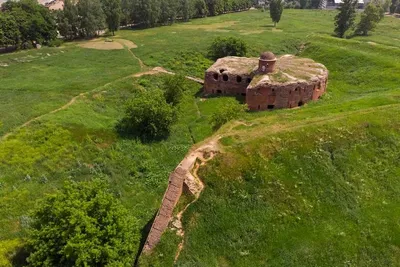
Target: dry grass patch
[101, 44]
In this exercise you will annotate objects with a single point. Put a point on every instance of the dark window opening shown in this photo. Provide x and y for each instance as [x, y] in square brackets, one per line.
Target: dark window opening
[215, 75]
[259, 106]
[301, 103]
[290, 92]
[225, 77]
[270, 106]
[239, 79]
[219, 92]
[248, 80]
[221, 70]
[273, 90]
[296, 89]
[213, 91]
[243, 94]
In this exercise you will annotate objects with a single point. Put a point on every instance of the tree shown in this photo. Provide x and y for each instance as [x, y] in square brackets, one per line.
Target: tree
[230, 46]
[275, 10]
[147, 12]
[199, 9]
[229, 111]
[82, 225]
[369, 18]
[9, 30]
[35, 22]
[174, 88]
[147, 116]
[69, 21]
[113, 13]
[168, 12]
[92, 17]
[185, 10]
[344, 20]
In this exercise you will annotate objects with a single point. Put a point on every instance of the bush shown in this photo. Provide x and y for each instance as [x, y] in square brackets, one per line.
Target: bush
[230, 46]
[147, 116]
[55, 43]
[369, 18]
[174, 87]
[82, 225]
[229, 111]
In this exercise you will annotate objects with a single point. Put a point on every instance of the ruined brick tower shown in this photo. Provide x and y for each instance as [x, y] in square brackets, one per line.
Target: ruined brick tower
[266, 62]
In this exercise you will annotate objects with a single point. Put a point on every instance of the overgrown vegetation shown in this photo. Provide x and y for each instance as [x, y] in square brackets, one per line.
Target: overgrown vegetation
[82, 225]
[147, 116]
[229, 111]
[25, 23]
[230, 46]
[369, 18]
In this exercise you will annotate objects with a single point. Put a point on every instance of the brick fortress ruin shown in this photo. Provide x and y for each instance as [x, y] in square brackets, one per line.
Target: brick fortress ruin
[268, 82]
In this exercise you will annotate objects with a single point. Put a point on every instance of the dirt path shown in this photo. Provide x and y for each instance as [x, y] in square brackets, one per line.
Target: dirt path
[153, 71]
[206, 151]
[67, 105]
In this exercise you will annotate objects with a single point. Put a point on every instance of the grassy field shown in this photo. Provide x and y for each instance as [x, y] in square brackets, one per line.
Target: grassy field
[315, 186]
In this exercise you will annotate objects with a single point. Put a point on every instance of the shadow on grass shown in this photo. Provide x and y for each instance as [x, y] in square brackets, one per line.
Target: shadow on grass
[144, 233]
[19, 259]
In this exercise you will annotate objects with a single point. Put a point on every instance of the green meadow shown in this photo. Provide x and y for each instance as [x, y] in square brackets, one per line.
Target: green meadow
[312, 186]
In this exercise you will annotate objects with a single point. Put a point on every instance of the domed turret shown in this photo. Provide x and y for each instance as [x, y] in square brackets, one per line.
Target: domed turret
[267, 62]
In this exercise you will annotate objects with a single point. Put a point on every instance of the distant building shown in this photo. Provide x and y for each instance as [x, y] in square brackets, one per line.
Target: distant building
[55, 5]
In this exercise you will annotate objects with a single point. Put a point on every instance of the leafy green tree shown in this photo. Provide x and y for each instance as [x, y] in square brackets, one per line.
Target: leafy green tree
[35, 22]
[82, 225]
[369, 19]
[147, 12]
[185, 9]
[344, 20]
[275, 10]
[215, 7]
[68, 20]
[147, 116]
[169, 9]
[113, 13]
[174, 88]
[92, 18]
[199, 9]
[230, 46]
[229, 111]
[9, 30]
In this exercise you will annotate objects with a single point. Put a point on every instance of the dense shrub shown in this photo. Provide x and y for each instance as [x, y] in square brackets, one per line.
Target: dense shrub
[229, 111]
[147, 116]
[369, 19]
[230, 46]
[82, 225]
[174, 87]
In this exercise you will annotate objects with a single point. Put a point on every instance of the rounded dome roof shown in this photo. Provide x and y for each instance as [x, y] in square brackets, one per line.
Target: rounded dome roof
[267, 56]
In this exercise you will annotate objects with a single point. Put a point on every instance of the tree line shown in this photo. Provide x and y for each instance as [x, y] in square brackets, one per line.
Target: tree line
[24, 23]
[84, 18]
